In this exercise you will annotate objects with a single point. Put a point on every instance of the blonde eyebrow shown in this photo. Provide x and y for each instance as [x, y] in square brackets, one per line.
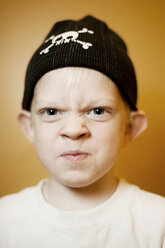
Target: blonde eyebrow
[108, 102]
[48, 104]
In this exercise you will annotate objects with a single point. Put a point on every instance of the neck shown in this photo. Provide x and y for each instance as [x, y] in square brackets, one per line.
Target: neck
[72, 199]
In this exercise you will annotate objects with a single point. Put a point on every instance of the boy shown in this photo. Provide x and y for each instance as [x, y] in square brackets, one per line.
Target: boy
[79, 110]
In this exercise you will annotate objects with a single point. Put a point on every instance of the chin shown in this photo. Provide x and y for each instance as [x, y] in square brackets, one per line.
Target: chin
[78, 182]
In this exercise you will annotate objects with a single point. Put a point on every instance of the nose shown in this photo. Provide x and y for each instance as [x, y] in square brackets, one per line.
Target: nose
[74, 128]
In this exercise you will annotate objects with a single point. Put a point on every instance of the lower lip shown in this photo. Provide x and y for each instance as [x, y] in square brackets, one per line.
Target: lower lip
[77, 157]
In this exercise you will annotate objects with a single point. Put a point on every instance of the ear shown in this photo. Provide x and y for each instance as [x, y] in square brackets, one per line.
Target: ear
[136, 125]
[25, 122]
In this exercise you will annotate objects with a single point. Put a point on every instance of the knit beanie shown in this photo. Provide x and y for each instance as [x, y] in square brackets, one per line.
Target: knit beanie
[88, 43]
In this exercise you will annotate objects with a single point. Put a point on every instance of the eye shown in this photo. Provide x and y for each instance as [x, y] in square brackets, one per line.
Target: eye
[98, 111]
[51, 111]
[100, 114]
[50, 114]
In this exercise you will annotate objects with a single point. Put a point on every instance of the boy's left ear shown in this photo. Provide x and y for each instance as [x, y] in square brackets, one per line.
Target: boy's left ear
[25, 122]
[136, 125]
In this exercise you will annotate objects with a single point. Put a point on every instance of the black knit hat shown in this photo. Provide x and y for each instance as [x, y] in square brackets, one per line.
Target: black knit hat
[85, 43]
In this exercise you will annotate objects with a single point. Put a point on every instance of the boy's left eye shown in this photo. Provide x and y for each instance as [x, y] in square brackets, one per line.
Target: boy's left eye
[99, 114]
[98, 111]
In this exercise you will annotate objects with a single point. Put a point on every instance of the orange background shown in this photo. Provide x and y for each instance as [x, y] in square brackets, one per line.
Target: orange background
[24, 25]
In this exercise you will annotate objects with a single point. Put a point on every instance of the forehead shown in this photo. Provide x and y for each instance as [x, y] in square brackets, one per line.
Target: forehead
[81, 84]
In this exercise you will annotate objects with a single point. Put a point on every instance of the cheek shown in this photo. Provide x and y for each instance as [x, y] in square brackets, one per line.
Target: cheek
[108, 134]
[44, 141]
[108, 140]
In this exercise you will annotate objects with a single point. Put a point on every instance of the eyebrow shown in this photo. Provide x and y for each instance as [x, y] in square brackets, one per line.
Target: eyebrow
[48, 104]
[99, 102]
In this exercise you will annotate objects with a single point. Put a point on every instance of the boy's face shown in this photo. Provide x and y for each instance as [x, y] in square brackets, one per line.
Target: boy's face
[79, 123]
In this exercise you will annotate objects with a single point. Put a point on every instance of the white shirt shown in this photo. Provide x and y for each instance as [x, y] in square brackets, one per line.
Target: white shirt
[130, 218]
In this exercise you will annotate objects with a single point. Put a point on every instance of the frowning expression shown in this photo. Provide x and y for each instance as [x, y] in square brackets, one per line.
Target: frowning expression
[79, 124]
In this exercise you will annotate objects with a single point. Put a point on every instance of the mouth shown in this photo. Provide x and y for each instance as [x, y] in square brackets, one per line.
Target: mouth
[75, 155]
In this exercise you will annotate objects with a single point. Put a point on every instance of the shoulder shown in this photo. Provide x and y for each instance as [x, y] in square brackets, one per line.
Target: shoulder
[142, 195]
[148, 200]
[12, 204]
[146, 206]
[15, 211]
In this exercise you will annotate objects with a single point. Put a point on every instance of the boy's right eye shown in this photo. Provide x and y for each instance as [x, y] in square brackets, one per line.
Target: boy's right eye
[51, 111]
[50, 114]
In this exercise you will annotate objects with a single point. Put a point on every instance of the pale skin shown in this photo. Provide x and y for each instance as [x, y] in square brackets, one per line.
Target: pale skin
[79, 109]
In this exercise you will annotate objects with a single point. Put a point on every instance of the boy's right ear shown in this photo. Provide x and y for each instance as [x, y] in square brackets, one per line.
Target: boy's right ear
[25, 122]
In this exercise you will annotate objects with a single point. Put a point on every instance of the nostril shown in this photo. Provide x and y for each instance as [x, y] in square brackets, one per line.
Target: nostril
[74, 128]
[83, 135]
[75, 134]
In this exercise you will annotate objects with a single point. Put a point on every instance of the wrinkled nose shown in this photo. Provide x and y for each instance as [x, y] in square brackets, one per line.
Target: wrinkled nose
[74, 128]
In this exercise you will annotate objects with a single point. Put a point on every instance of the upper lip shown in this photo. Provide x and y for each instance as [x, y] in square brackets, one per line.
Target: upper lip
[75, 152]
